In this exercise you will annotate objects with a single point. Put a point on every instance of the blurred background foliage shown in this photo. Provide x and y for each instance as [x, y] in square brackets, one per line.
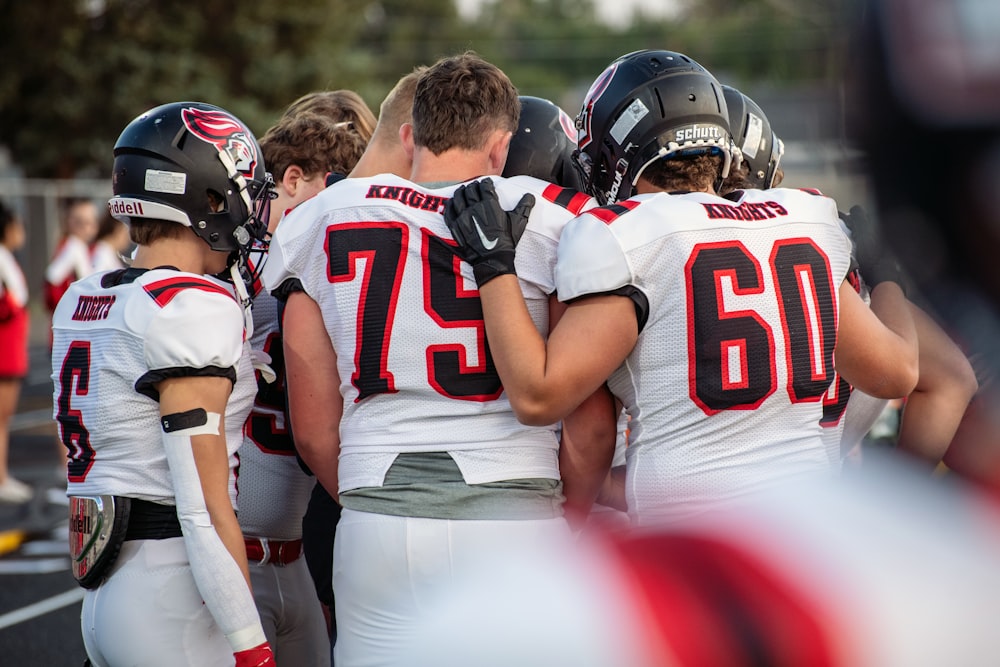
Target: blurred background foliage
[77, 71]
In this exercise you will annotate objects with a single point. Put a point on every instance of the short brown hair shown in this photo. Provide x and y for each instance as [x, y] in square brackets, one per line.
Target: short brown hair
[312, 141]
[337, 105]
[397, 107]
[738, 179]
[143, 231]
[459, 101]
[690, 173]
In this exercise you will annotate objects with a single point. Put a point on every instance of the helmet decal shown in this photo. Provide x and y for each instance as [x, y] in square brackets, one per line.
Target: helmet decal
[754, 140]
[757, 146]
[646, 106]
[627, 121]
[568, 125]
[225, 133]
[600, 85]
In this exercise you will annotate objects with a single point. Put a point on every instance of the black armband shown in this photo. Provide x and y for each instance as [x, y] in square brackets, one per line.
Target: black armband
[179, 421]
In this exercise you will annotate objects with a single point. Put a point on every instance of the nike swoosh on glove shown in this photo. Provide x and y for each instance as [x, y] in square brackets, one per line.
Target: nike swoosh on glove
[486, 233]
[258, 656]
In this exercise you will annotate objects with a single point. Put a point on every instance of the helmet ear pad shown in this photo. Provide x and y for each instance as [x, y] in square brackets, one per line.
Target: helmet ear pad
[647, 106]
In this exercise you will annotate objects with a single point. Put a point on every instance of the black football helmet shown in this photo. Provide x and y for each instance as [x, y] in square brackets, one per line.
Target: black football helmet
[543, 145]
[648, 105]
[197, 165]
[758, 145]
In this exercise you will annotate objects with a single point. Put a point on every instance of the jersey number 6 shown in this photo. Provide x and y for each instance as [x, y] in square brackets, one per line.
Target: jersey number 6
[732, 352]
[74, 379]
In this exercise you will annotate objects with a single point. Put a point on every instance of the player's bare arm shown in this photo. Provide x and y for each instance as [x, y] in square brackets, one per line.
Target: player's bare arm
[946, 385]
[545, 381]
[586, 450]
[179, 395]
[612, 493]
[877, 350]
[587, 444]
[314, 402]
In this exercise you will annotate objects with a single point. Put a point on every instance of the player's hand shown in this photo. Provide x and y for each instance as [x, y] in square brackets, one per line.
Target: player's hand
[876, 261]
[486, 233]
[258, 656]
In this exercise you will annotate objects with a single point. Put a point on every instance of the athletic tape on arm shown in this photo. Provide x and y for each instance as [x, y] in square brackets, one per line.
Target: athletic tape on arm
[219, 579]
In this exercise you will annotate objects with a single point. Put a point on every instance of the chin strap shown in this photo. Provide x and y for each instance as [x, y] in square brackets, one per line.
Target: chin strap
[236, 177]
[242, 296]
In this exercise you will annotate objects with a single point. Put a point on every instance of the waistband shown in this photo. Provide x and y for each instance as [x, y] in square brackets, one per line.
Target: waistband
[262, 551]
[151, 521]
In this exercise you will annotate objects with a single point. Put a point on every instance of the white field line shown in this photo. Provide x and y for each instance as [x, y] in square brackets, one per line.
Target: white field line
[41, 608]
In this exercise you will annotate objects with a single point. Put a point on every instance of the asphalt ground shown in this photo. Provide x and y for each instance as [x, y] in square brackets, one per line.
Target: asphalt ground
[39, 599]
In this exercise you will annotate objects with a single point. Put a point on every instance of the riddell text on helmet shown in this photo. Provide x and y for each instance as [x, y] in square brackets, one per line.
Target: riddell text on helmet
[125, 207]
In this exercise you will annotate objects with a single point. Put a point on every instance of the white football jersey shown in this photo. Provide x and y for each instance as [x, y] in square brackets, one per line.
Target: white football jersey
[274, 489]
[404, 316]
[848, 414]
[117, 334]
[726, 381]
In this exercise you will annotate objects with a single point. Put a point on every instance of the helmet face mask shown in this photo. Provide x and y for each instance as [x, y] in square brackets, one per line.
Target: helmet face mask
[647, 106]
[197, 165]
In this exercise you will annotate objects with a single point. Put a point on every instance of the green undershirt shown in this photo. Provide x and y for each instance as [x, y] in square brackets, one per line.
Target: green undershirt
[430, 485]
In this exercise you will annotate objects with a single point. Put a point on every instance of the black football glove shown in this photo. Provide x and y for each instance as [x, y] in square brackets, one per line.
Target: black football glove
[876, 262]
[486, 233]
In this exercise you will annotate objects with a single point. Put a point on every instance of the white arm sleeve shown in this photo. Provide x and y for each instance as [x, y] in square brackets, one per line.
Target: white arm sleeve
[217, 575]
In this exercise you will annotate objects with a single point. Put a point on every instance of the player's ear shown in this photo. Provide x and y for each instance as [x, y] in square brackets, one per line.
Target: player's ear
[499, 146]
[290, 179]
[406, 139]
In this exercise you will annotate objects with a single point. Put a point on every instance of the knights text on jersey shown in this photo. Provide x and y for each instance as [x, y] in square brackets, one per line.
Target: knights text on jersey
[404, 315]
[117, 334]
[725, 385]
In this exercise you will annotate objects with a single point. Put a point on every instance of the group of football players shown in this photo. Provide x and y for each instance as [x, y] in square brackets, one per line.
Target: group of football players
[434, 330]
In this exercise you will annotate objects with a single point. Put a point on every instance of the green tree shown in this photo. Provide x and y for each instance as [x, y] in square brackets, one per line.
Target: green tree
[76, 71]
[79, 78]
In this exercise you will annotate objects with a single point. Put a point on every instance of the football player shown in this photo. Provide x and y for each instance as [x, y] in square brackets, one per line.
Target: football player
[760, 150]
[933, 411]
[946, 382]
[274, 489]
[542, 148]
[923, 83]
[384, 153]
[152, 385]
[338, 105]
[713, 320]
[394, 398]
